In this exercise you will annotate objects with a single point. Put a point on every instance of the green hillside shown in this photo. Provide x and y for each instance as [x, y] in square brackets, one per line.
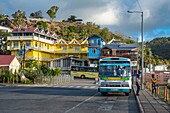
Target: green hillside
[160, 47]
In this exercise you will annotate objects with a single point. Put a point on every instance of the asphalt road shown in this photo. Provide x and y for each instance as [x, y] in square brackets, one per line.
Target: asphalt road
[79, 96]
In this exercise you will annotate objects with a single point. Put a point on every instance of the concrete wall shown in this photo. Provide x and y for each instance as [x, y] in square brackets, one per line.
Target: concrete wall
[162, 76]
[14, 66]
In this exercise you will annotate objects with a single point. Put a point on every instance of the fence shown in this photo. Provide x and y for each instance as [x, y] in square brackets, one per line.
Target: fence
[53, 79]
[162, 91]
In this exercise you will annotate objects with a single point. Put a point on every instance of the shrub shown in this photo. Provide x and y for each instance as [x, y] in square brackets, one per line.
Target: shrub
[168, 85]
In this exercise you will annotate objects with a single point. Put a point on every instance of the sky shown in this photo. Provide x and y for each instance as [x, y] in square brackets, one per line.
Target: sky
[111, 14]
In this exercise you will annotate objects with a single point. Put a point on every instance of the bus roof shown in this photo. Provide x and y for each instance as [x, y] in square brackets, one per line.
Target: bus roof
[115, 58]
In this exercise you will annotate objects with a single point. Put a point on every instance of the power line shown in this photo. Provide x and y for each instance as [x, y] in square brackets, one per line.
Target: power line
[139, 5]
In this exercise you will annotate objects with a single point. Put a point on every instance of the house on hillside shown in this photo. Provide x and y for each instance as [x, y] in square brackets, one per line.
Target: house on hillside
[95, 44]
[114, 41]
[9, 62]
[120, 50]
[35, 43]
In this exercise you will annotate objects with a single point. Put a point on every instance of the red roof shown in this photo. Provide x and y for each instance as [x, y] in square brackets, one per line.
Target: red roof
[6, 59]
[24, 29]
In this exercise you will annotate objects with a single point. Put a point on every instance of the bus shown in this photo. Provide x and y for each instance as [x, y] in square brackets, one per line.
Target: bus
[115, 75]
[84, 72]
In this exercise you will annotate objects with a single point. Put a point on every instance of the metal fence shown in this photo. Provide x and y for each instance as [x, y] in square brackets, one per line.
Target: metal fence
[53, 79]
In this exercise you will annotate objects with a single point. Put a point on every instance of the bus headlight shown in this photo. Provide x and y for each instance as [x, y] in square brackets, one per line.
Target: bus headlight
[125, 85]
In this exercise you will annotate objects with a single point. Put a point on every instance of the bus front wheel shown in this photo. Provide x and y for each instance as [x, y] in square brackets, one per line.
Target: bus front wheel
[127, 94]
[82, 76]
[103, 93]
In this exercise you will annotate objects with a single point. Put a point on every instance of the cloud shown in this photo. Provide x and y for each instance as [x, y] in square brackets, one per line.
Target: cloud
[107, 13]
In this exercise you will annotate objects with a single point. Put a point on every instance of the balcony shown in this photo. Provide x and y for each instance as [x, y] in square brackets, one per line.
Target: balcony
[93, 57]
[31, 48]
[70, 51]
[31, 38]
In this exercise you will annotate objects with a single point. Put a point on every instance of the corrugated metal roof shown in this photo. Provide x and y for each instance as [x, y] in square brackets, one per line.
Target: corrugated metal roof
[6, 59]
[121, 46]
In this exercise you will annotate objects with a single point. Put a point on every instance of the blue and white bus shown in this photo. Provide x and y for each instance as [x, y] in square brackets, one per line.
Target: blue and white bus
[115, 75]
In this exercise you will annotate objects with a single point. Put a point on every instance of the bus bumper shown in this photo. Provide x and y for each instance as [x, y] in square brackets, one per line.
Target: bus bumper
[117, 90]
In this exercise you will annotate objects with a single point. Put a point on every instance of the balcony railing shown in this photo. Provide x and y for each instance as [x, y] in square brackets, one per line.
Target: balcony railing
[70, 51]
[30, 38]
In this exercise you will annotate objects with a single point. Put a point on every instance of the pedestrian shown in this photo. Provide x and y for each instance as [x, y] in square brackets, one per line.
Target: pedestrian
[137, 84]
[154, 83]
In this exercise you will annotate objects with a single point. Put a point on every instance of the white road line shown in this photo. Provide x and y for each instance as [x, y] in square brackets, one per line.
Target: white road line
[70, 86]
[81, 103]
[63, 86]
[78, 86]
[93, 87]
[85, 87]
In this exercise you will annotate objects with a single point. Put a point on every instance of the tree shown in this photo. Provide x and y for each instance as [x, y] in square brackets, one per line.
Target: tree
[52, 12]
[37, 14]
[42, 24]
[19, 17]
[72, 29]
[32, 70]
[3, 16]
[3, 41]
[57, 71]
[72, 18]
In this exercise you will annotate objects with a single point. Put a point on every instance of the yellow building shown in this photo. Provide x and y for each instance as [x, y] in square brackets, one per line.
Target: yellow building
[74, 47]
[37, 43]
[43, 46]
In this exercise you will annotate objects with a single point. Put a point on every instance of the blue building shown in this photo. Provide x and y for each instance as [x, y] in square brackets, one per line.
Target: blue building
[95, 44]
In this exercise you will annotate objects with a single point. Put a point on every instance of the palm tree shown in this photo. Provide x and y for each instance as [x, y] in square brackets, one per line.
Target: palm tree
[52, 12]
[19, 17]
[57, 71]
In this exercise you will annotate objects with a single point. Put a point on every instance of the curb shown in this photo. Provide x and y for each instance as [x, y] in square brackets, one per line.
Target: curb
[139, 103]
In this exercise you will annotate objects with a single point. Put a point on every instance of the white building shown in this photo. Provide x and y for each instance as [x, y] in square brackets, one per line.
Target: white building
[160, 68]
[5, 29]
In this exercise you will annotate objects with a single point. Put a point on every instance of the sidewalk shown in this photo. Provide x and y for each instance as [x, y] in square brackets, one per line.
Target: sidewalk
[151, 104]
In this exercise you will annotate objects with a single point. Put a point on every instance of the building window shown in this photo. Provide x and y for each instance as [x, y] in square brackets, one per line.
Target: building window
[99, 42]
[15, 44]
[77, 48]
[64, 47]
[94, 50]
[20, 44]
[91, 41]
[28, 44]
[36, 44]
[14, 34]
[39, 44]
[47, 46]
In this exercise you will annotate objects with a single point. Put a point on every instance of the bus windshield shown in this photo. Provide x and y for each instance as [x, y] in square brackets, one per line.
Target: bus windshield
[114, 71]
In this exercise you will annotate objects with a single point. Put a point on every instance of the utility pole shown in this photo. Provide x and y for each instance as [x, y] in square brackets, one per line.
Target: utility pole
[137, 56]
[24, 58]
[142, 30]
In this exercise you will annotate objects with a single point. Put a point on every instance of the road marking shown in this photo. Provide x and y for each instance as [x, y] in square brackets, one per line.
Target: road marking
[85, 87]
[78, 86]
[81, 103]
[93, 87]
[71, 86]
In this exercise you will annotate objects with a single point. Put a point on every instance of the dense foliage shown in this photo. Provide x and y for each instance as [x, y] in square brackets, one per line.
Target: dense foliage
[160, 47]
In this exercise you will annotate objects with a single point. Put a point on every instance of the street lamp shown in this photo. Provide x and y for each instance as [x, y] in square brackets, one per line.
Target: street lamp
[141, 12]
